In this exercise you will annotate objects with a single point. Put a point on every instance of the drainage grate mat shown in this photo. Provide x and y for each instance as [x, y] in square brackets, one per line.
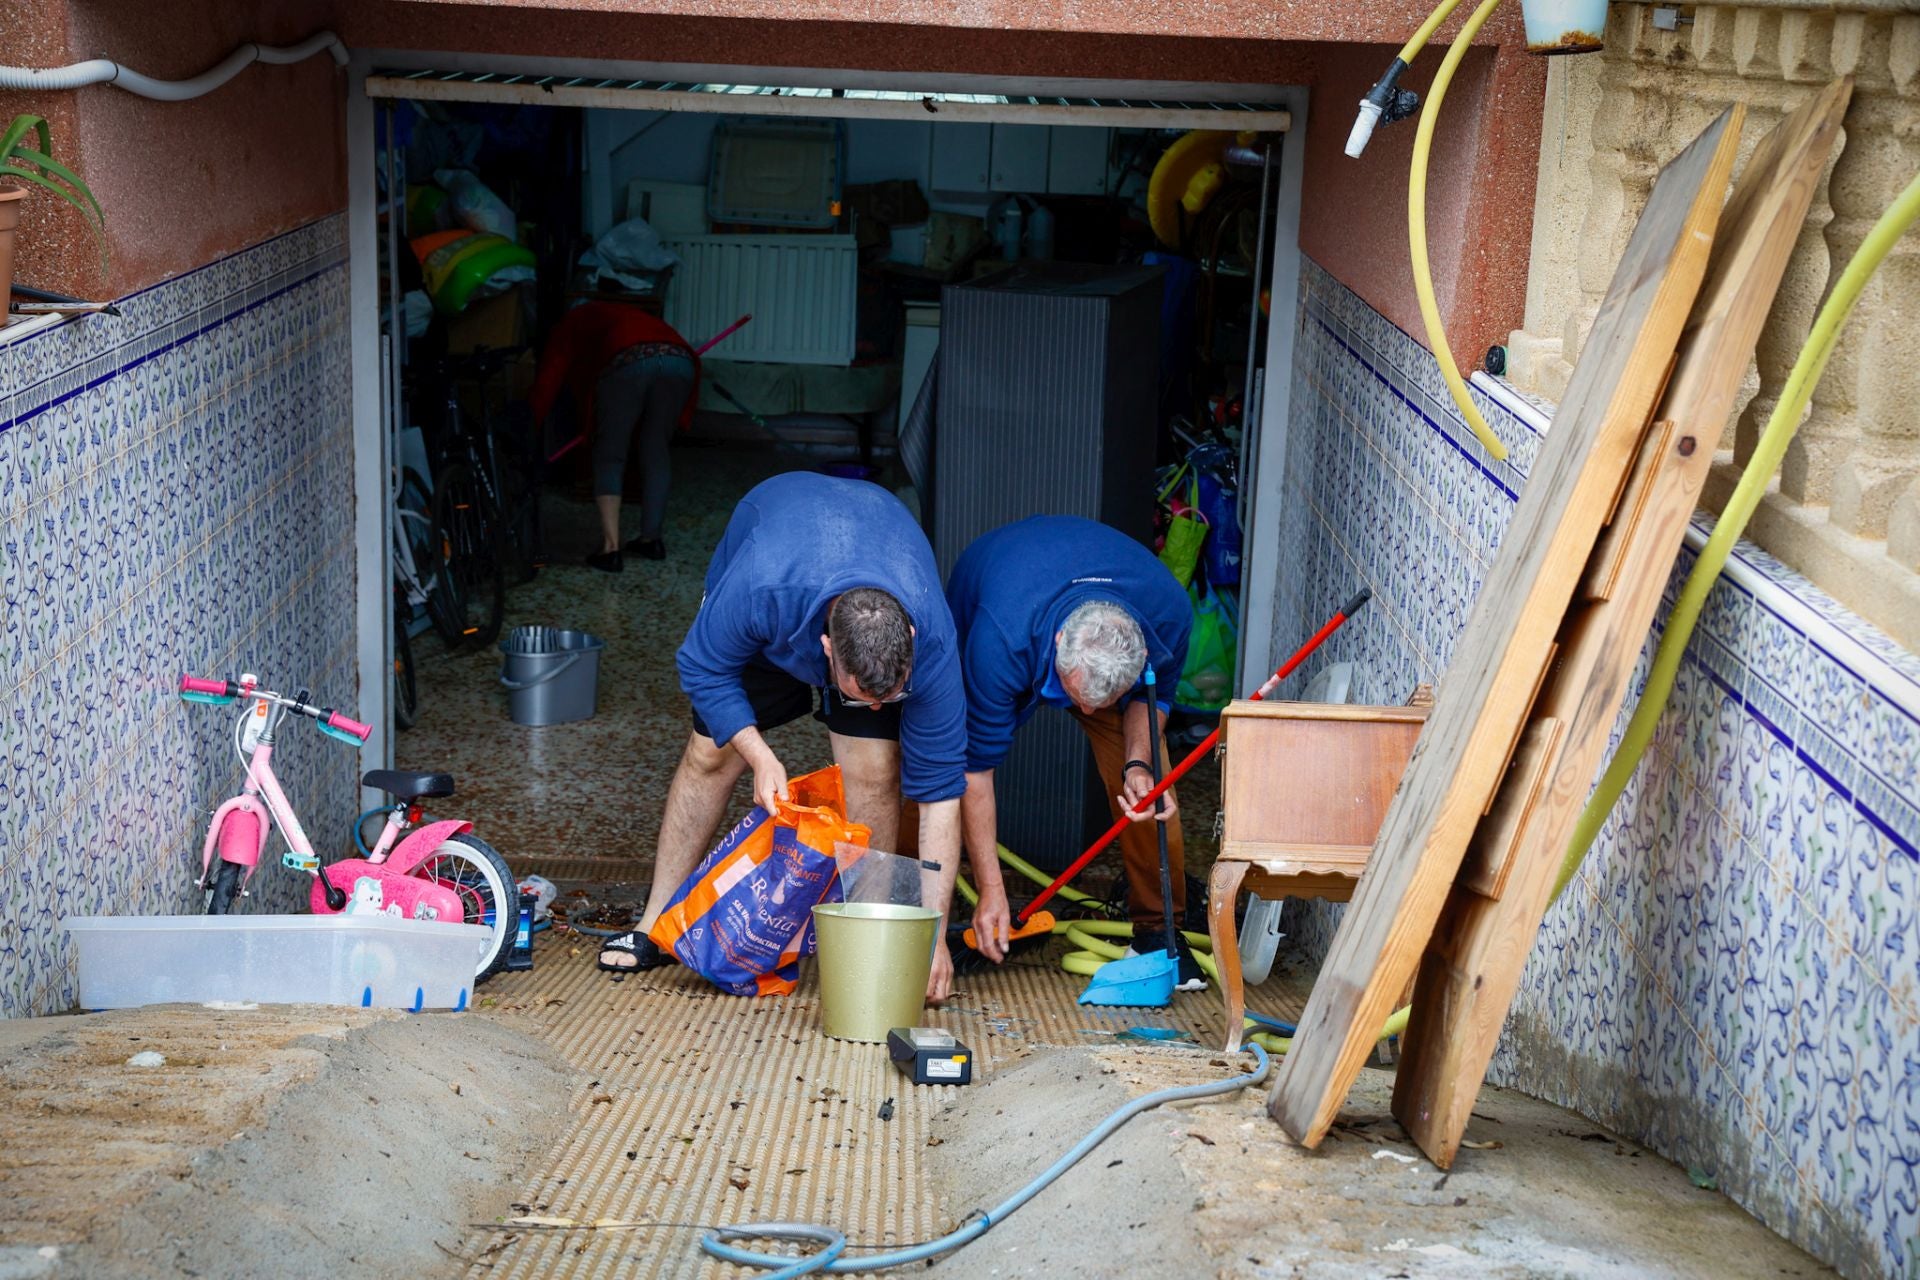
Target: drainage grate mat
[697, 1107]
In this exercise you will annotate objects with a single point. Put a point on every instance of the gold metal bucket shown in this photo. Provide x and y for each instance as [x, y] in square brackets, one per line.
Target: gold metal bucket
[874, 961]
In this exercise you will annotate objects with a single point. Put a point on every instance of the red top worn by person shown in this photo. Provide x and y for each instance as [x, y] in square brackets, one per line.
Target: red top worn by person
[628, 372]
[586, 341]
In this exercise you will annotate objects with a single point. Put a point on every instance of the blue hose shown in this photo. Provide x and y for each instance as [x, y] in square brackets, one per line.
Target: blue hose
[1272, 1024]
[829, 1262]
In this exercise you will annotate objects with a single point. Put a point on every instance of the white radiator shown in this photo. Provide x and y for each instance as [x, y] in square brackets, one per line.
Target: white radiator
[799, 289]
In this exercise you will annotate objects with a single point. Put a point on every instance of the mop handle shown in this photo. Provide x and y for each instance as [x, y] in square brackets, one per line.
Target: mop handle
[1166, 865]
[725, 333]
[700, 350]
[1179, 771]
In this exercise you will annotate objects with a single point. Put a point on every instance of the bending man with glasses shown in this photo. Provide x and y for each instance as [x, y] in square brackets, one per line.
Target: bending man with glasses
[828, 584]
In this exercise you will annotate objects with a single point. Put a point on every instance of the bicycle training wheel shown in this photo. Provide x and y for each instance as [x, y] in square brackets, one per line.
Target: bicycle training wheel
[469, 575]
[473, 869]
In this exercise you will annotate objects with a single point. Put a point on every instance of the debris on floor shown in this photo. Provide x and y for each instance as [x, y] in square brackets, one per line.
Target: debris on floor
[261, 1142]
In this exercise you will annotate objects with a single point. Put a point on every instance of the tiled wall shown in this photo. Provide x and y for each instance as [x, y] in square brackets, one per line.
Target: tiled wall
[176, 494]
[1734, 978]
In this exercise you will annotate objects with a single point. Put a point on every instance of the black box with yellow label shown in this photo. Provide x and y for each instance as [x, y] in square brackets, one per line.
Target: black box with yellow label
[930, 1055]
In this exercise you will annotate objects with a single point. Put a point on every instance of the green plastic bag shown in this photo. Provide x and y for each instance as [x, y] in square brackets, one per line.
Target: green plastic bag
[1206, 682]
[1186, 530]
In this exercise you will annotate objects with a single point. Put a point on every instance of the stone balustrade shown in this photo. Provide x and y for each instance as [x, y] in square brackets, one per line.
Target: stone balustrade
[1846, 508]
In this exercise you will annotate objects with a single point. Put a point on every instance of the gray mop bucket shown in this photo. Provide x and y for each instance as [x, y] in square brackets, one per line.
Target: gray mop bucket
[551, 676]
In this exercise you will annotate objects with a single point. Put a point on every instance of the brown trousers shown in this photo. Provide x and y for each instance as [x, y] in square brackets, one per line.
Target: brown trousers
[1139, 845]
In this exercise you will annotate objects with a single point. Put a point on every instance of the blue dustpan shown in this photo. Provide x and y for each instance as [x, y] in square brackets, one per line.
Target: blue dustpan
[1137, 982]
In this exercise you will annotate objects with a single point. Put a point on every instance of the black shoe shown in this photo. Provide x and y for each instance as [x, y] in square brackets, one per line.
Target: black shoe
[649, 548]
[606, 561]
[646, 954]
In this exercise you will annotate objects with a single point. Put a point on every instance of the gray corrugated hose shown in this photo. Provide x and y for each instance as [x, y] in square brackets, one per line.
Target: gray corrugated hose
[103, 71]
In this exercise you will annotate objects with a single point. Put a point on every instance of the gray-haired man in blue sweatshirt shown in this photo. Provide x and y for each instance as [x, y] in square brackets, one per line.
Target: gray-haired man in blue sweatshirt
[1068, 612]
[818, 584]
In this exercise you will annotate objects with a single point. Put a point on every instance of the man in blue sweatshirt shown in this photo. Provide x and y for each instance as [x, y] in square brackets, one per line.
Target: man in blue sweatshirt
[827, 584]
[1065, 611]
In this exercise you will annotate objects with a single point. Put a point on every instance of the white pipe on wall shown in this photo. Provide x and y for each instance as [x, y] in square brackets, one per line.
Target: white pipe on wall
[103, 71]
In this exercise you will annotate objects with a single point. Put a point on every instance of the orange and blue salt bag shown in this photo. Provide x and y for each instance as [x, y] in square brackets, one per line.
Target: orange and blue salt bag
[744, 918]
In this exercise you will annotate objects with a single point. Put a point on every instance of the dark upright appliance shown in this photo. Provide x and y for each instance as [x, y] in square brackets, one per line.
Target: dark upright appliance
[1049, 377]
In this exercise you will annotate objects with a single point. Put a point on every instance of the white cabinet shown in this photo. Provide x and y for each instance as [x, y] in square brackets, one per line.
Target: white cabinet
[1077, 161]
[1019, 157]
[962, 155]
[1033, 159]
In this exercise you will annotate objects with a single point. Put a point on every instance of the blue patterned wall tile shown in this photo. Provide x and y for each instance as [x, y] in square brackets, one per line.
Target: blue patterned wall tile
[120, 552]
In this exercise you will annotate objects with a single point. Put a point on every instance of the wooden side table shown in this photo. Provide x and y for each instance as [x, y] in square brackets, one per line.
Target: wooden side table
[1304, 786]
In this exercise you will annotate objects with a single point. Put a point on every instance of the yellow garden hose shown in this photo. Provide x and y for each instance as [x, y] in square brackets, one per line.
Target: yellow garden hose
[1091, 937]
[1396, 1023]
[1417, 230]
[1095, 949]
[1781, 425]
[1418, 41]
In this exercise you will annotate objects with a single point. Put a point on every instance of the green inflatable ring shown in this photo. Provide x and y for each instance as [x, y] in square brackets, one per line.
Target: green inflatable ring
[454, 271]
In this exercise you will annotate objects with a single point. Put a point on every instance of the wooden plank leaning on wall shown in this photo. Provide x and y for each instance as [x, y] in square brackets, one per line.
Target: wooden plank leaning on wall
[1504, 653]
[1471, 970]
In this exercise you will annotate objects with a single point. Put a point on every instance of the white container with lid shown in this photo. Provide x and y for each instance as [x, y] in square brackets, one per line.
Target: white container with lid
[367, 961]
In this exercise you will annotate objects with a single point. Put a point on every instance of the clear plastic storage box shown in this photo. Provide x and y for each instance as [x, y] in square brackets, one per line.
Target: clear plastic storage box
[367, 961]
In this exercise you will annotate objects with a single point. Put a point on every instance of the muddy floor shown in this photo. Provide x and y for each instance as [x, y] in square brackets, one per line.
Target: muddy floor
[282, 1140]
[1210, 1189]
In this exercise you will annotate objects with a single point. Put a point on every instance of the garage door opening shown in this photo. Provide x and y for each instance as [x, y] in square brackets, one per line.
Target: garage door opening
[884, 243]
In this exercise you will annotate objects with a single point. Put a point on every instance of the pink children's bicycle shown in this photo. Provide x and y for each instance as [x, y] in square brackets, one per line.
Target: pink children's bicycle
[439, 872]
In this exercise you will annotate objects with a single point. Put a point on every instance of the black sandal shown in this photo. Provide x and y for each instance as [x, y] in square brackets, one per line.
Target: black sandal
[646, 954]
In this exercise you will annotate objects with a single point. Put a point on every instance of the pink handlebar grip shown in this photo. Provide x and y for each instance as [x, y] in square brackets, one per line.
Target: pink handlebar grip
[194, 684]
[337, 721]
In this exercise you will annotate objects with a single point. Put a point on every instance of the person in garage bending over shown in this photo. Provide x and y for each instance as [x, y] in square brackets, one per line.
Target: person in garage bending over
[628, 372]
[827, 584]
[1068, 612]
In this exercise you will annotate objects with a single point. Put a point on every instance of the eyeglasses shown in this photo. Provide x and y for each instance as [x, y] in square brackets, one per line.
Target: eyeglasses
[872, 704]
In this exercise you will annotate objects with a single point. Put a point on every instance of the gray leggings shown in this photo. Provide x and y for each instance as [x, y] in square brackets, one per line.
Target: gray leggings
[646, 394]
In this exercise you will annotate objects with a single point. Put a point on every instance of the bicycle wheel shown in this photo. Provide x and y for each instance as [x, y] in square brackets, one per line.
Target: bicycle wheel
[468, 569]
[432, 547]
[239, 836]
[520, 470]
[473, 869]
[225, 889]
[406, 689]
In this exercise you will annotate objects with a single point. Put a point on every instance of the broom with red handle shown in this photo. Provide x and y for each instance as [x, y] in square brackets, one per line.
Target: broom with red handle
[1179, 771]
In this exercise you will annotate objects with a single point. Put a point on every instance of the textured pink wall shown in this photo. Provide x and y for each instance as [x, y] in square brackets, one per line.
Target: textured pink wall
[187, 182]
[1379, 21]
[182, 183]
[1479, 192]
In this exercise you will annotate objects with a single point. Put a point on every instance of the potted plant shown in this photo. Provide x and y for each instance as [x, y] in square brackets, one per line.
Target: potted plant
[24, 162]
